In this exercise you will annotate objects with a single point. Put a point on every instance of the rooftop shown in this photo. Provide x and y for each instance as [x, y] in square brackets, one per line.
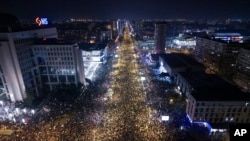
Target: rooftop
[211, 87]
[177, 60]
[52, 41]
[90, 47]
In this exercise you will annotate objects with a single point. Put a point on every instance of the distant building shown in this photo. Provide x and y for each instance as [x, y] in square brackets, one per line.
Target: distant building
[228, 37]
[218, 56]
[58, 61]
[242, 72]
[210, 99]
[115, 27]
[184, 42]
[160, 37]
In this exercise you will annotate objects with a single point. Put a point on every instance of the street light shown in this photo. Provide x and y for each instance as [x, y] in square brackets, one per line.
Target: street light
[6, 109]
[24, 110]
[33, 111]
[23, 120]
[171, 101]
[1, 102]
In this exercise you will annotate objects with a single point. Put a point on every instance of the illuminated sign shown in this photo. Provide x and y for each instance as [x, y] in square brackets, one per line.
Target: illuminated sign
[41, 21]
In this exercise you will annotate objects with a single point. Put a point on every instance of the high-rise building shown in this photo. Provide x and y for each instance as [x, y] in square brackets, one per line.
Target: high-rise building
[218, 56]
[18, 73]
[160, 37]
[21, 61]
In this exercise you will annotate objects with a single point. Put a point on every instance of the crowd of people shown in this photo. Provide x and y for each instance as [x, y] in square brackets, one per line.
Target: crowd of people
[113, 108]
[15, 112]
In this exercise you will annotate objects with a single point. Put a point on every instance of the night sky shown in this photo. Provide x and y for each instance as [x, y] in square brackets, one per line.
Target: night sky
[130, 9]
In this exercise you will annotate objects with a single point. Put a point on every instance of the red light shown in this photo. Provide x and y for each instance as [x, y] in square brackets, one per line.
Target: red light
[38, 21]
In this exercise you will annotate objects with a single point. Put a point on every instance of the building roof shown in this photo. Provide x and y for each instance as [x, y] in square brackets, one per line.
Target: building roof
[52, 41]
[90, 47]
[211, 87]
[177, 60]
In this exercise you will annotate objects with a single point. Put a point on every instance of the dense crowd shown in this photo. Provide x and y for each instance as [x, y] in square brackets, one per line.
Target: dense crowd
[114, 107]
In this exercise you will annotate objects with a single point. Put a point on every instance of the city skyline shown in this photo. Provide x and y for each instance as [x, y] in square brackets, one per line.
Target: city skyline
[111, 9]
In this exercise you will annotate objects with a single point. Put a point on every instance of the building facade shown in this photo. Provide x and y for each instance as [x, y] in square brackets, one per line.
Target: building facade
[217, 56]
[18, 71]
[58, 62]
[242, 72]
[160, 37]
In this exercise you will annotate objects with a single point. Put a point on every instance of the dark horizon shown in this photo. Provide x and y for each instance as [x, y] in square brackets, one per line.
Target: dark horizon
[130, 9]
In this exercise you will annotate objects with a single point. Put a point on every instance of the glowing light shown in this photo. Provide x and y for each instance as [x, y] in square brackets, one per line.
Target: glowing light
[23, 120]
[91, 70]
[143, 78]
[182, 127]
[171, 101]
[190, 120]
[41, 21]
[44, 21]
[38, 21]
[165, 118]
[33, 111]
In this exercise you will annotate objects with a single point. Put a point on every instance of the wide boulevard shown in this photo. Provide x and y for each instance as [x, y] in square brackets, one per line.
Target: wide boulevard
[127, 117]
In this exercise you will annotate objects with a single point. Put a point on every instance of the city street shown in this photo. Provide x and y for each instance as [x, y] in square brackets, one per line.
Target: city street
[116, 108]
[127, 116]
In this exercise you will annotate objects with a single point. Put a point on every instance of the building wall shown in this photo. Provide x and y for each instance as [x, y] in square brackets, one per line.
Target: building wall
[18, 70]
[242, 74]
[218, 57]
[59, 64]
[209, 53]
[14, 83]
[160, 37]
[24, 54]
[79, 65]
[220, 111]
